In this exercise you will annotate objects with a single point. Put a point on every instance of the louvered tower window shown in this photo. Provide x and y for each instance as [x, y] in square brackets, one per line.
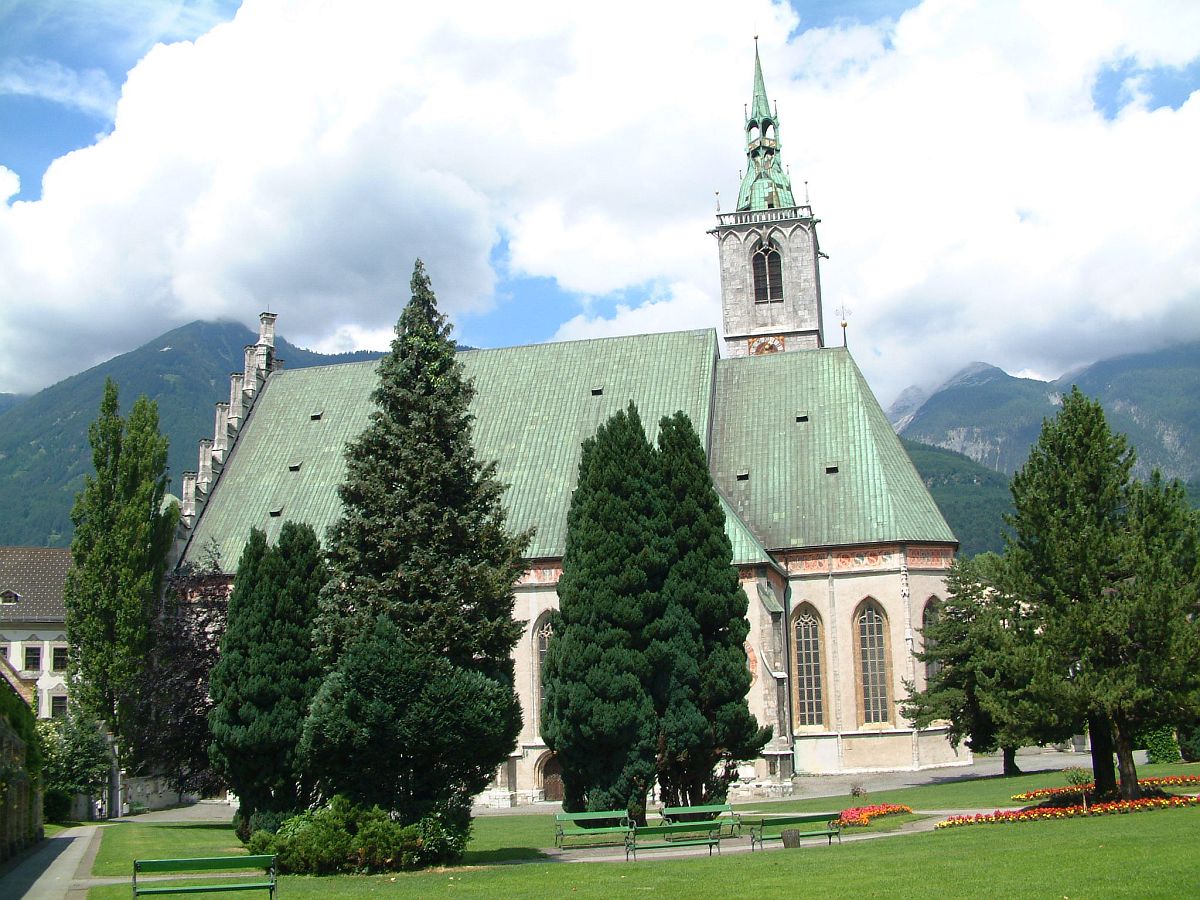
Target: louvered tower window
[768, 275]
[872, 663]
[810, 701]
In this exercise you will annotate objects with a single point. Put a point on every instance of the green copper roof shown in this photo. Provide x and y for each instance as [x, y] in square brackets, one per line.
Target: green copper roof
[761, 108]
[533, 408]
[746, 548]
[765, 184]
[806, 457]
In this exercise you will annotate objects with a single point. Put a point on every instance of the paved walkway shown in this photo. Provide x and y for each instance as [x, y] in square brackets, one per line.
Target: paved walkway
[60, 868]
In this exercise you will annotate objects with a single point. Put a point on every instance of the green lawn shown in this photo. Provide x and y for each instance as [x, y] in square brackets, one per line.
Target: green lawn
[1141, 855]
[972, 793]
[126, 841]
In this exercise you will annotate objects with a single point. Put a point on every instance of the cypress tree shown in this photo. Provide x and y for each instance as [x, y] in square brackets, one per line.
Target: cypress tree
[422, 537]
[118, 552]
[411, 732]
[696, 649]
[598, 713]
[267, 674]
[1068, 500]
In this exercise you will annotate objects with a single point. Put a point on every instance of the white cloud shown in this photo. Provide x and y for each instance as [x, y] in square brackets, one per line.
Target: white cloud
[974, 203]
[89, 90]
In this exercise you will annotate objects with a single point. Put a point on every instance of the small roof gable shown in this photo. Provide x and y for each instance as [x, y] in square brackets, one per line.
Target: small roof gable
[806, 457]
[746, 548]
[36, 575]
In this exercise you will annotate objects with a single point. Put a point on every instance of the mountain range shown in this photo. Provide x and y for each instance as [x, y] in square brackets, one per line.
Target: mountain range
[1152, 397]
[44, 450]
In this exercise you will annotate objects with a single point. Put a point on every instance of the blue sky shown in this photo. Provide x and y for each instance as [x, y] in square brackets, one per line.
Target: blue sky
[557, 171]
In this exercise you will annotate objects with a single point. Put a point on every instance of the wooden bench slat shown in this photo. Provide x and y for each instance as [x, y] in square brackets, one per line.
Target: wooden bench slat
[203, 863]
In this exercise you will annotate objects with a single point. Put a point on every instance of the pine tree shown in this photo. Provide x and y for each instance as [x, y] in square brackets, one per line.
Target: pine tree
[267, 674]
[598, 712]
[423, 541]
[1141, 664]
[119, 549]
[1068, 500]
[411, 732]
[696, 649]
[989, 680]
[422, 537]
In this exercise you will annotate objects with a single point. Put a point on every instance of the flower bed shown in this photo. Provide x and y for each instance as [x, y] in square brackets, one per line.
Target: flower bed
[1165, 781]
[1070, 812]
[861, 816]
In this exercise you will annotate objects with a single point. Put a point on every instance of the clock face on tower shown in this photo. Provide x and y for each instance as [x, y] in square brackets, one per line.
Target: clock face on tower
[762, 346]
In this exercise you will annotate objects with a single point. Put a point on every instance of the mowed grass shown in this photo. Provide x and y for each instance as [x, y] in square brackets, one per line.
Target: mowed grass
[124, 842]
[1141, 855]
[952, 793]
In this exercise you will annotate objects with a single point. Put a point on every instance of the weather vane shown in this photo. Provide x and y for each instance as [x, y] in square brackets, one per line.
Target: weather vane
[843, 314]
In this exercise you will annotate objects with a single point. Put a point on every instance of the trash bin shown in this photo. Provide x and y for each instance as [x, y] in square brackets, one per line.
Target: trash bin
[791, 837]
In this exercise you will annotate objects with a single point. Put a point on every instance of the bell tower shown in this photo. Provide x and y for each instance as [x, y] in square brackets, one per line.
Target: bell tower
[770, 259]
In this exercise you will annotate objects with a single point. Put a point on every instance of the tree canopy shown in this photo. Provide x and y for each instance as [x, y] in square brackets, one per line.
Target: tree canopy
[122, 535]
[423, 543]
[267, 674]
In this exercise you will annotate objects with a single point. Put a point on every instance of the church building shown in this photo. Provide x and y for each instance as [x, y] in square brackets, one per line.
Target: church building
[840, 548]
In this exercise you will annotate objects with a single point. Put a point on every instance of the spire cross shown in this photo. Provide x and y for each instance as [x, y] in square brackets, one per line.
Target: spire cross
[843, 314]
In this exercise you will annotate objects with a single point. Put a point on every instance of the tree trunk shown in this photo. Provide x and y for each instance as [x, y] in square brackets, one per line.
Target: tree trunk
[1100, 731]
[1010, 761]
[1123, 738]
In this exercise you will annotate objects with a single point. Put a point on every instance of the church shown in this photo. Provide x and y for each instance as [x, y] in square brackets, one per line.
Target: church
[840, 548]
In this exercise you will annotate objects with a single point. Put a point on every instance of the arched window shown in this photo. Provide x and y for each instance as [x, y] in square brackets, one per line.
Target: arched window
[542, 632]
[768, 274]
[809, 690]
[933, 609]
[870, 628]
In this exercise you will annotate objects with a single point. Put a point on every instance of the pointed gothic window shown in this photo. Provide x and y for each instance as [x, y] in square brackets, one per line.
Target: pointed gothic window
[871, 630]
[768, 275]
[933, 609]
[810, 694]
[542, 632]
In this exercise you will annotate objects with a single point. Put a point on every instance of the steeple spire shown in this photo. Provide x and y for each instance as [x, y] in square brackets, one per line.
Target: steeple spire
[766, 185]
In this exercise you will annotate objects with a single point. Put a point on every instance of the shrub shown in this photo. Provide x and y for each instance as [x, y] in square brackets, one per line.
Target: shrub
[56, 805]
[1161, 746]
[268, 820]
[344, 837]
[1189, 740]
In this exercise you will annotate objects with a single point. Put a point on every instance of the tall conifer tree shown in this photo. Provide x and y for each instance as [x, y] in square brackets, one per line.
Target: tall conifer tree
[423, 543]
[267, 674]
[599, 714]
[1068, 501]
[118, 552]
[422, 537]
[697, 652]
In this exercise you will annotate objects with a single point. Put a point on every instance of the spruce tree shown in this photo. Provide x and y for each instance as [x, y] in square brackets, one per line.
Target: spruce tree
[990, 679]
[267, 674]
[1145, 638]
[598, 711]
[696, 649]
[1068, 501]
[422, 537]
[413, 733]
[118, 552]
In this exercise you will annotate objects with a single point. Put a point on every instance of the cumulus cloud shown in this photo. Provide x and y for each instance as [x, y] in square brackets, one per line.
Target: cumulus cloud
[975, 202]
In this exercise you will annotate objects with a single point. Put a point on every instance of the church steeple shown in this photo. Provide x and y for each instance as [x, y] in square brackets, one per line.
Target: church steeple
[765, 185]
[770, 259]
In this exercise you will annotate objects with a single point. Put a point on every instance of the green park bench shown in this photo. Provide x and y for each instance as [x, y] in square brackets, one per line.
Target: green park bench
[672, 837]
[772, 828]
[717, 812]
[586, 825]
[204, 864]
